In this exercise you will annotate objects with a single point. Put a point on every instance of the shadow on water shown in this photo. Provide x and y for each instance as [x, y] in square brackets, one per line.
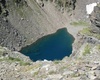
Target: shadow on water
[51, 47]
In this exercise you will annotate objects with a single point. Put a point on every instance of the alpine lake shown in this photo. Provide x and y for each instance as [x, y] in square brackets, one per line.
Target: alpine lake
[51, 47]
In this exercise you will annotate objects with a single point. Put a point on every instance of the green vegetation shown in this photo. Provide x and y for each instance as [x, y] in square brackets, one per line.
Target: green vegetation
[52, 72]
[56, 61]
[36, 73]
[60, 3]
[86, 31]
[98, 5]
[63, 67]
[80, 23]
[14, 59]
[65, 4]
[1, 60]
[19, 7]
[86, 50]
[22, 63]
[89, 32]
[11, 59]
[75, 75]
[98, 46]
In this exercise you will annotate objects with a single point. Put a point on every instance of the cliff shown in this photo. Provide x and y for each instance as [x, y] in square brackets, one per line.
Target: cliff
[22, 22]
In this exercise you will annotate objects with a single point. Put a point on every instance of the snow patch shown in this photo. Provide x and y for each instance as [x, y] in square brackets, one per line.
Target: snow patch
[90, 8]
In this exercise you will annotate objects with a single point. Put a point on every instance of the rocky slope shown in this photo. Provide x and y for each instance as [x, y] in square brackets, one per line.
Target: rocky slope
[85, 65]
[95, 18]
[23, 22]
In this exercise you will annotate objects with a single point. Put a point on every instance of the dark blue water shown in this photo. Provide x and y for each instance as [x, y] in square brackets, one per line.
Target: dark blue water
[51, 47]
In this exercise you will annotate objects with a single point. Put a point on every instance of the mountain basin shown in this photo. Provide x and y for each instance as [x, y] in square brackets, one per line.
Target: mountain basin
[50, 47]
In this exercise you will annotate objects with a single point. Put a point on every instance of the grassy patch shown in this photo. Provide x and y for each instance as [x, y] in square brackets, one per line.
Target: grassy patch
[98, 46]
[14, 59]
[11, 59]
[56, 61]
[98, 5]
[80, 23]
[75, 75]
[52, 72]
[22, 63]
[86, 31]
[89, 32]
[20, 11]
[64, 67]
[86, 50]
[36, 73]
[60, 3]
[1, 60]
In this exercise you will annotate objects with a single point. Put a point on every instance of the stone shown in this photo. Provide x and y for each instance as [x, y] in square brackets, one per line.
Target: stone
[91, 75]
[97, 73]
[68, 73]
[95, 18]
[55, 76]
[97, 79]
[97, 68]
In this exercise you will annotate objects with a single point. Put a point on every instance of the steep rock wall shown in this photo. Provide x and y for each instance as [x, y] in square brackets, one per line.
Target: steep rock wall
[26, 21]
[95, 18]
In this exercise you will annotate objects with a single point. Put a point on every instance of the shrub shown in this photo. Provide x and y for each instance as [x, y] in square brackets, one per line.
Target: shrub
[86, 50]
[89, 32]
[11, 59]
[80, 23]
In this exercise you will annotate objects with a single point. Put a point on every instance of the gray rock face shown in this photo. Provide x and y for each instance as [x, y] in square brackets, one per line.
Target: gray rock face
[95, 18]
[9, 36]
[23, 22]
[28, 20]
[80, 10]
[86, 67]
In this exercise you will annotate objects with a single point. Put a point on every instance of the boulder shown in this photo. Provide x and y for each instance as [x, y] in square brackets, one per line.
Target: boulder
[95, 18]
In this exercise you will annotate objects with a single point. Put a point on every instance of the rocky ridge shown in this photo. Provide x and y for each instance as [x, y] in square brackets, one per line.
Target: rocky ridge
[83, 65]
[28, 20]
[33, 19]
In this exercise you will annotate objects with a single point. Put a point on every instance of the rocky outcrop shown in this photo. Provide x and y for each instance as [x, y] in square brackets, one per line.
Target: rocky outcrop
[95, 18]
[33, 19]
[61, 5]
[80, 10]
[23, 22]
[85, 65]
[9, 36]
